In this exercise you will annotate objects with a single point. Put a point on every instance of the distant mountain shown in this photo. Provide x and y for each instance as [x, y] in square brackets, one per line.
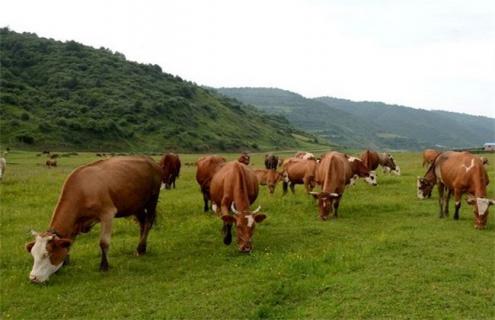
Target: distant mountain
[370, 124]
[65, 95]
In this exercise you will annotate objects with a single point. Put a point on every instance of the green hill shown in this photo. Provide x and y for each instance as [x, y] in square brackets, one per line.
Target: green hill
[70, 96]
[370, 124]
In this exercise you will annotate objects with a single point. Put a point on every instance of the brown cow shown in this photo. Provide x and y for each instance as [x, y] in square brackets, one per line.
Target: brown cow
[244, 158]
[458, 172]
[207, 166]
[298, 171]
[268, 177]
[235, 187]
[335, 171]
[170, 164]
[373, 159]
[51, 163]
[429, 155]
[97, 192]
[271, 161]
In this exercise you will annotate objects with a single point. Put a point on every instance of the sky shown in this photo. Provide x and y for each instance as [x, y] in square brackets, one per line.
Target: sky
[424, 54]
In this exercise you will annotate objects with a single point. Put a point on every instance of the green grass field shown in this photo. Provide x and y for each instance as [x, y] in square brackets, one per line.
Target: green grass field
[388, 255]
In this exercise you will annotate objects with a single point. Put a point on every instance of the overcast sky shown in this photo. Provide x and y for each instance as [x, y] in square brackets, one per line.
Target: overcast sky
[437, 54]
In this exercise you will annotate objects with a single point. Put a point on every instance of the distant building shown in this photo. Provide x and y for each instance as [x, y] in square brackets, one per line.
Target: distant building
[489, 146]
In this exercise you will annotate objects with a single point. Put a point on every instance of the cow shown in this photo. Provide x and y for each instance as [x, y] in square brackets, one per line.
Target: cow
[458, 173]
[268, 177]
[484, 160]
[335, 171]
[235, 187]
[97, 192]
[429, 155]
[305, 155]
[298, 171]
[373, 159]
[271, 161]
[207, 166]
[51, 163]
[244, 158]
[3, 166]
[170, 164]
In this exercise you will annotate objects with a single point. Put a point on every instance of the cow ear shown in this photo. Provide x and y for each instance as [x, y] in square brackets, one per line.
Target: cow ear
[63, 243]
[259, 217]
[315, 195]
[29, 246]
[228, 219]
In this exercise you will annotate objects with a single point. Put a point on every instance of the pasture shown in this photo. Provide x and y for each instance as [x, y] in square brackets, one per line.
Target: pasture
[388, 255]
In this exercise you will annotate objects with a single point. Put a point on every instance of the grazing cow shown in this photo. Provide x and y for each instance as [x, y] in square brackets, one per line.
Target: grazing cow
[268, 177]
[298, 171]
[170, 164]
[244, 158]
[373, 159]
[207, 166]
[235, 187]
[305, 155]
[271, 161]
[335, 171]
[51, 163]
[429, 155]
[458, 172]
[97, 192]
[3, 165]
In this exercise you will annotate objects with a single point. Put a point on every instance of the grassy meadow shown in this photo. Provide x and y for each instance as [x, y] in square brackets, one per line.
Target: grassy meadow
[388, 255]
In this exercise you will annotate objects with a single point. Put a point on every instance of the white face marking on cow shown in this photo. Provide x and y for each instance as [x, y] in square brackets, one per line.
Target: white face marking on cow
[470, 166]
[371, 179]
[42, 267]
[352, 159]
[214, 207]
[396, 171]
[482, 204]
[286, 177]
[250, 220]
[419, 192]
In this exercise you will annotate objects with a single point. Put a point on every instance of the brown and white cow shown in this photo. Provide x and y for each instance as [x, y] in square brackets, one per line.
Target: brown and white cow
[170, 164]
[235, 187]
[458, 173]
[305, 155]
[335, 171]
[298, 171]
[268, 177]
[429, 155]
[97, 192]
[51, 163]
[373, 159]
[244, 158]
[207, 166]
[271, 161]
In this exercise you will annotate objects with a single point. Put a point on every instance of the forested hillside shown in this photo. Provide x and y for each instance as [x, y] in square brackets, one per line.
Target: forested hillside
[370, 124]
[71, 96]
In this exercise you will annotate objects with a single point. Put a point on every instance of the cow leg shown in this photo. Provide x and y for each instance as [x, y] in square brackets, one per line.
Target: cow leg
[292, 187]
[145, 223]
[105, 235]
[446, 204]
[205, 199]
[457, 198]
[227, 227]
[440, 198]
[336, 204]
[285, 184]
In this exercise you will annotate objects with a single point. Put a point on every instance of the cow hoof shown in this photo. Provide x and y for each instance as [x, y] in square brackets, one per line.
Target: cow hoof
[104, 268]
[66, 260]
[227, 239]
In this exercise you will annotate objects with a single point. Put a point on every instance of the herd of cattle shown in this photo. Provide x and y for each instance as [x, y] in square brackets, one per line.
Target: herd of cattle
[125, 186]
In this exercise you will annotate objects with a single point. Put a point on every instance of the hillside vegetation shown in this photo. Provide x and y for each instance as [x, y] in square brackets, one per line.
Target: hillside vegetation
[370, 124]
[71, 96]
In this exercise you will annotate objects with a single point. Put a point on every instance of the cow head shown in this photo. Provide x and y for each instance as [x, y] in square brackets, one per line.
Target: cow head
[389, 162]
[481, 206]
[245, 222]
[49, 252]
[325, 203]
[244, 158]
[424, 187]
[272, 178]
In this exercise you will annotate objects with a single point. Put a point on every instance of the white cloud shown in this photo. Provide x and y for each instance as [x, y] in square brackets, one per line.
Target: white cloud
[430, 54]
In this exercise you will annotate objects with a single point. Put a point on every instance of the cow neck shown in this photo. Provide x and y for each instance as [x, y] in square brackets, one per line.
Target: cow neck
[430, 174]
[241, 196]
[63, 222]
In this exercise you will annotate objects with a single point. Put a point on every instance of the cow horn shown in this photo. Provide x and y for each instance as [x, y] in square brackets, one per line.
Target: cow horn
[257, 210]
[34, 233]
[314, 193]
[232, 207]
